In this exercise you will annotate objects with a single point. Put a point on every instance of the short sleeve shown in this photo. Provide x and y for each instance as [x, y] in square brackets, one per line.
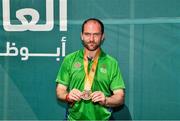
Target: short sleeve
[116, 78]
[63, 76]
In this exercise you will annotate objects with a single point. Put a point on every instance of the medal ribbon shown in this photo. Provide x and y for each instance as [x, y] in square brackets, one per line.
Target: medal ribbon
[90, 76]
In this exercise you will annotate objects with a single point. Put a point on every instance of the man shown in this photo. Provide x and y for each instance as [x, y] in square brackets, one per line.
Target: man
[89, 80]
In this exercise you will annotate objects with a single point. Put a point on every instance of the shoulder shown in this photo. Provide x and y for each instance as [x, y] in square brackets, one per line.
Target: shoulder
[109, 62]
[109, 58]
[73, 55]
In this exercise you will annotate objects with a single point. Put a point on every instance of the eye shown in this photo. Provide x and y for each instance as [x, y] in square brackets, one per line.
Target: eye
[87, 34]
[97, 34]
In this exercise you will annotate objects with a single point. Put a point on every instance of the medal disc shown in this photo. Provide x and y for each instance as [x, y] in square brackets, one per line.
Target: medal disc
[86, 95]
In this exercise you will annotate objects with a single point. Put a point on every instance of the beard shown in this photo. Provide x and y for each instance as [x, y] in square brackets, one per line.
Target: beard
[92, 46]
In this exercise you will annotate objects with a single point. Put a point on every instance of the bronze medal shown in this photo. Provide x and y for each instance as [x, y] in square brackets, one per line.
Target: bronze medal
[86, 95]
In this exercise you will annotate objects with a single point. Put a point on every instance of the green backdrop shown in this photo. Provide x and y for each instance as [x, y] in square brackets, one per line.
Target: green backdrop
[143, 35]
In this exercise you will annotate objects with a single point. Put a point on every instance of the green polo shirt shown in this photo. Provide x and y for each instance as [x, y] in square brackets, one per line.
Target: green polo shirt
[107, 78]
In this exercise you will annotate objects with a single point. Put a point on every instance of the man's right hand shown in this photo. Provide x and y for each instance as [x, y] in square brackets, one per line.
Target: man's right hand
[74, 95]
[63, 94]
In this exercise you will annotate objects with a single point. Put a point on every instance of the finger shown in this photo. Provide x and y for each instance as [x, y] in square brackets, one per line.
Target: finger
[76, 92]
[74, 97]
[95, 94]
[78, 96]
[97, 99]
[98, 96]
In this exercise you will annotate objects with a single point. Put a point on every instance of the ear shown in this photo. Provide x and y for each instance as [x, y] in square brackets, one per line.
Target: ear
[81, 36]
[103, 37]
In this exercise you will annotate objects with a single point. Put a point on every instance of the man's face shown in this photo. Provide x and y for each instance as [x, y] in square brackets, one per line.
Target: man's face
[92, 36]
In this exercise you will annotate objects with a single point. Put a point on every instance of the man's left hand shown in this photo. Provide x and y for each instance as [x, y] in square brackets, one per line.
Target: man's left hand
[98, 96]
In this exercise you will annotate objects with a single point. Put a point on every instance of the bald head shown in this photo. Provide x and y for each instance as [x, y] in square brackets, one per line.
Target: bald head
[95, 21]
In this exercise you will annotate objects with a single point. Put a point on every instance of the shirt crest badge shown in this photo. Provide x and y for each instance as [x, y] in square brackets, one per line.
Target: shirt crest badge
[103, 69]
[77, 65]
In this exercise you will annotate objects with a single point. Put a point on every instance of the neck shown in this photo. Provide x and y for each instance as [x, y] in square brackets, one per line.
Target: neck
[91, 54]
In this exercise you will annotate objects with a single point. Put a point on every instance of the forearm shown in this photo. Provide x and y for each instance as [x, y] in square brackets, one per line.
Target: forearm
[115, 100]
[62, 96]
[61, 92]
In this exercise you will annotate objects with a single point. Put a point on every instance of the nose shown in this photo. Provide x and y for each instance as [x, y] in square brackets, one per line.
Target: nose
[91, 38]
